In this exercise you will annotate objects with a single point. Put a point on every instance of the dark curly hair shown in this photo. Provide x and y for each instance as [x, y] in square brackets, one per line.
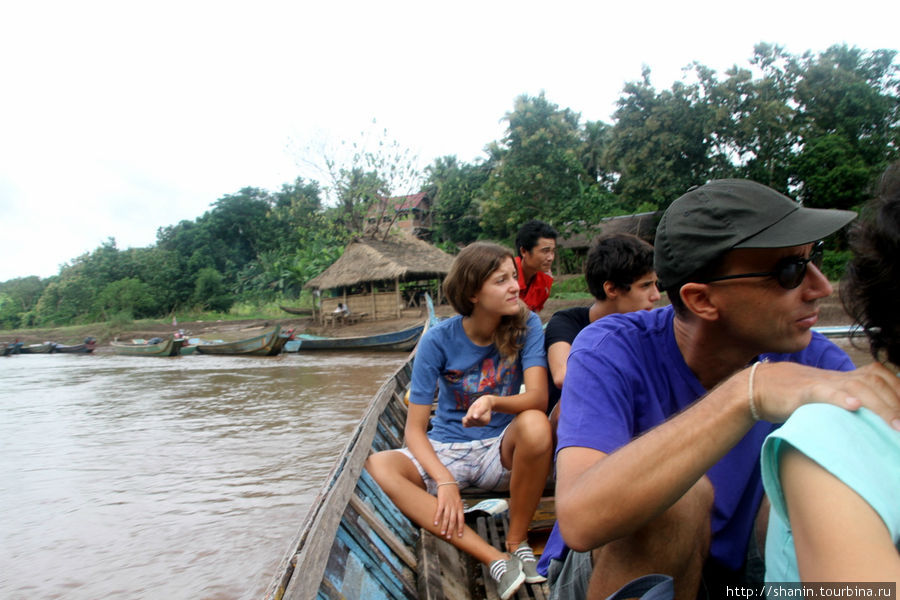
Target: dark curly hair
[870, 289]
[621, 258]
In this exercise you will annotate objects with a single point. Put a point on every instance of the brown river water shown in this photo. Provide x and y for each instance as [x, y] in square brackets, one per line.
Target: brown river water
[187, 477]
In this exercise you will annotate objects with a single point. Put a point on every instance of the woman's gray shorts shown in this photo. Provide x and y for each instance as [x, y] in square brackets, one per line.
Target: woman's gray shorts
[472, 464]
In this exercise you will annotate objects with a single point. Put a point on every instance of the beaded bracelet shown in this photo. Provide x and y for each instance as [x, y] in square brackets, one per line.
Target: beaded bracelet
[750, 394]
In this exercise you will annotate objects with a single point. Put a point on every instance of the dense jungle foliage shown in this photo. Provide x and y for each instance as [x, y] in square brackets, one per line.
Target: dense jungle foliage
[818, 127]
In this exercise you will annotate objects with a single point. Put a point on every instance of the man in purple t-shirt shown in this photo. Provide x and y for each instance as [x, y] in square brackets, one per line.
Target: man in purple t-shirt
[659, 432]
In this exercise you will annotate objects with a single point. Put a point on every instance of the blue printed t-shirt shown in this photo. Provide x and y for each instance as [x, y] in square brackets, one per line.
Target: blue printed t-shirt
[858, 448]
[465, 371]
[626, 375]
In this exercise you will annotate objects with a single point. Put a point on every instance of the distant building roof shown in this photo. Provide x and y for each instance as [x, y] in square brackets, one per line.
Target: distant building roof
[407, 202]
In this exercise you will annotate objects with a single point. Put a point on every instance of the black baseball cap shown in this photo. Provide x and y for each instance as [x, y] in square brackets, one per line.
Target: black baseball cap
[724, 214]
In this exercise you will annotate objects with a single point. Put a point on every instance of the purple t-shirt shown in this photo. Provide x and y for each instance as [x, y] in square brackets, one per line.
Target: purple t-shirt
[626, 375]
[465, 371]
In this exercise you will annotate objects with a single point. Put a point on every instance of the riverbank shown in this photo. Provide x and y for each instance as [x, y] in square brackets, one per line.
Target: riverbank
[227, 330]
[831, 313]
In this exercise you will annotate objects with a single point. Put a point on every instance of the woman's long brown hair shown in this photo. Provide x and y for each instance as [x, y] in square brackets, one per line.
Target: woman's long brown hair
[470, 269]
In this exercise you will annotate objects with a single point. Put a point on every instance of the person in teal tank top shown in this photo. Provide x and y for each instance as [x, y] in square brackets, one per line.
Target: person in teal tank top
[833, 476]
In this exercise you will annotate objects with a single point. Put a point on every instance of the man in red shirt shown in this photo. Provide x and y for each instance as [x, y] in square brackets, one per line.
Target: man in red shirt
[536, 247]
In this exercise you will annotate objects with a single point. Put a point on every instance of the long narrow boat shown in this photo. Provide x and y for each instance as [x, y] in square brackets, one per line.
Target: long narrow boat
[166, 347]
[45, 348]
[403, 340]
[269, 343]
[354, 543]
[85, 347]
[11, 348]
[303, 312]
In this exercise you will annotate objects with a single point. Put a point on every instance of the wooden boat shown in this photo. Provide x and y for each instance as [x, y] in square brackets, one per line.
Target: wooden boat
[304, 312]
[266, 344]
[165, 347]
[403, 340]
[188, 348]
[44, 348]
[354, 543]
[11, 348]
[85, 347]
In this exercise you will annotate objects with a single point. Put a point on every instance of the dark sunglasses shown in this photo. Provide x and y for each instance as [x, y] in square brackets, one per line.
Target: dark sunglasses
[789, 271]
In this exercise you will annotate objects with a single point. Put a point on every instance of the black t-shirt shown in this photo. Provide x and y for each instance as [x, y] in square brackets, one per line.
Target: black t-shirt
[563, 326]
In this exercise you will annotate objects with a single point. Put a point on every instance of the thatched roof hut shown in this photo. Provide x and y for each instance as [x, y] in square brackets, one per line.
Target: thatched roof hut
[642, 225]
[371, 263]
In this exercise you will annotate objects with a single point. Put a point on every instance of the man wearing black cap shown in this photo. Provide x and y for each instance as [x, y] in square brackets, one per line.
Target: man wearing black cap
[651, 480]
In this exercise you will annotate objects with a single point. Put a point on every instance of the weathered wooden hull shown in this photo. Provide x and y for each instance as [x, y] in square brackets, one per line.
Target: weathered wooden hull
[45, 348]
[304, 312]
[73, 349]
[167, 347]
[404, 340]
[266, 344]
[332, 549]
[355, 544]
[10, 348]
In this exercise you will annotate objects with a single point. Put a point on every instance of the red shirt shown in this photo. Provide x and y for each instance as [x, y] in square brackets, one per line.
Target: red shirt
[535, 293]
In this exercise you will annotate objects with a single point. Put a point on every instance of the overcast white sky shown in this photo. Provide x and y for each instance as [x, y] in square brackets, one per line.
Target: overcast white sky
[117, 118]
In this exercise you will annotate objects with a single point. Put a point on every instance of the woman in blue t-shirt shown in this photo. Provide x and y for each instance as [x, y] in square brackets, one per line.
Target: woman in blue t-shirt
[833, 476]
[489, 431]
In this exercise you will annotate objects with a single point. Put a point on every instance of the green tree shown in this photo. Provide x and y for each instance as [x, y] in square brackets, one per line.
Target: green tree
[848, 122]
[753, 122]
[538, 172]
[362, 176]
[660, 144]
[67, 299]
[159, 269]
[209, 291]
[19, 296]
[454, 188]
[596, 137]
[126, 296]
[298, 213]
[9, 312]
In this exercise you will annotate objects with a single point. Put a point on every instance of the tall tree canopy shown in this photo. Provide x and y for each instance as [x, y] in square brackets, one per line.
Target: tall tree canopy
[819, 127]
[538, 172]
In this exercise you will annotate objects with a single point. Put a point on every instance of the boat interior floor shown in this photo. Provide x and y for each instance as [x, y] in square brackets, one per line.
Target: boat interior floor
[445, 572]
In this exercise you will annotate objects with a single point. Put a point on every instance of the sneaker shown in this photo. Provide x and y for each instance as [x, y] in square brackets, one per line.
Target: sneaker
[529, 563]
[508, 575]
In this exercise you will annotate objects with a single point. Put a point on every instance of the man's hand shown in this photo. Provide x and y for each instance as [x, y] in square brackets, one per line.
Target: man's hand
[781, 388]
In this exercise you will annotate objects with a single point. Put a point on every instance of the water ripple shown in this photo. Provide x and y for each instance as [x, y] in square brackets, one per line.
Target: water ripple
[130, 477]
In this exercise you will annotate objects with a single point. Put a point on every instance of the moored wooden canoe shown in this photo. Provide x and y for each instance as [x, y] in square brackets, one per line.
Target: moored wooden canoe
[44, 348]
[165, 347]
[269, 343]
